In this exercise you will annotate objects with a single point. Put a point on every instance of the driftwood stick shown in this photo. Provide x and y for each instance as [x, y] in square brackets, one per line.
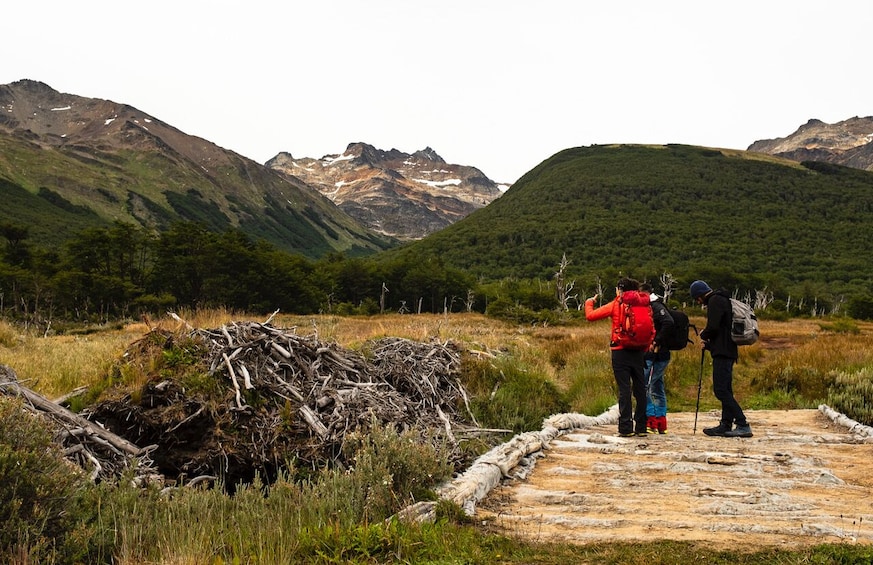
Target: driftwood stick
[270, 319]
[202, 478]
[313, 421]
[72, 450]
[466, 402]
[287, 386]
[188, 419]
[105, 443]
[227, 336]
[233, 378]
[178, 319]
[236, 352]
[281, 350]
[447, 423]
[247, 379]
[78, 391]
[98, 468]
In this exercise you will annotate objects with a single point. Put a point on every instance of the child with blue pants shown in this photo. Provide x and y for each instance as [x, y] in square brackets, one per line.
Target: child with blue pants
[656, 361]
[656, 395]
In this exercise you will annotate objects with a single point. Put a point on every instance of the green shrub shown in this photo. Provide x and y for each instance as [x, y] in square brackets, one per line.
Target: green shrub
[506, 396]
[860, 307]
[841, 325]
[793, 378]
[852, 395]
[42, 496]
[8, 335]
[773, 313]
[510, 311]
[393, 469]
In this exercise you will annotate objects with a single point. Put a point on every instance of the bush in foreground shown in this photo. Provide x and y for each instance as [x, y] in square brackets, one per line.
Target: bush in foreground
[43, 505]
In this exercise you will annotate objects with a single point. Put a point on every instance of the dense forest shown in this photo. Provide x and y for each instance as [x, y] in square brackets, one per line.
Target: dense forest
[788, 237]
[126, 271]
[123, 271]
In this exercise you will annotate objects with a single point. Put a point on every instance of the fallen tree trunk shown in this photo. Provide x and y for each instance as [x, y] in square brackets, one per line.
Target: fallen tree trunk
[488, 470]
[92, 447]
[10, 385]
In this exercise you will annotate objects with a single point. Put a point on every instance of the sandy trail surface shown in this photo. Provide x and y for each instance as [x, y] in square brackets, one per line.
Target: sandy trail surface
[802, 479]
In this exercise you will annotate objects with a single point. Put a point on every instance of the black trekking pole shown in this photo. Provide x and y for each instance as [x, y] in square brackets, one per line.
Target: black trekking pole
[649, 381]
[699, 385]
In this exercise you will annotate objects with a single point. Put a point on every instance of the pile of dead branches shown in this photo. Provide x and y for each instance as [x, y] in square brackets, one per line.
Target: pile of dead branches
[290, 397]
[335, 390]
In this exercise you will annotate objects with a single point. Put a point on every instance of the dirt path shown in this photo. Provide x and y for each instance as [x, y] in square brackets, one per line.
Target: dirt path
[802, 479]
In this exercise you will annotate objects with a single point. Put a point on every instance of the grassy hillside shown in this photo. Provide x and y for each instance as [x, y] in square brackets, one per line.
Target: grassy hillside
[55, 192]
[689, 211]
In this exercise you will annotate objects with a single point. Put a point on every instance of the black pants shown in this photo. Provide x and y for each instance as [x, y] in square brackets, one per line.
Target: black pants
[723, 387]
[627, 366]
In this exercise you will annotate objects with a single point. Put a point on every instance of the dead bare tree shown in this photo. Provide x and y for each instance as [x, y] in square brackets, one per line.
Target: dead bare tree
[382, 298]
[668, 282]
[762, 299]
[471, 299]
[598, 290]
[563, 287]
[838, 303]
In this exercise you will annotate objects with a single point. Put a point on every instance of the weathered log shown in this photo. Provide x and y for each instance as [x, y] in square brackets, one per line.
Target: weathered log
[78, 391]
[10, 385]
[843, 420]
[312, 419]
[487, 471]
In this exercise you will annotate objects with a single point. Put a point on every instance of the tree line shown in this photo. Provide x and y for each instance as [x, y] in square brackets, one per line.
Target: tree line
[124, 271]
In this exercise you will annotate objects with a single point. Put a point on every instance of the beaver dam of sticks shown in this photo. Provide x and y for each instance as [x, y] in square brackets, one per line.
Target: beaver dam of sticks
[251, 398]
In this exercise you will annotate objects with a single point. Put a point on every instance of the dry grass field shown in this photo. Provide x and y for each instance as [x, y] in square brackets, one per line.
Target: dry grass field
[575, 356]
[790, 368]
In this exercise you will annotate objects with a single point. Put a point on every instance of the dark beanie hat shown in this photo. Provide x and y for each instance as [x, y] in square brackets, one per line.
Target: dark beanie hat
[698, 289]
[626, 283]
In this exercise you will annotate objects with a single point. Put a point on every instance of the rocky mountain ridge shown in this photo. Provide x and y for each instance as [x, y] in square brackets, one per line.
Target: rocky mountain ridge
[402, 195]
[848, 143]
[106, 161]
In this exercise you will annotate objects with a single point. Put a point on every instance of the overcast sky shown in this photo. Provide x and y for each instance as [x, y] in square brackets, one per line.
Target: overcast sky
[496, 84]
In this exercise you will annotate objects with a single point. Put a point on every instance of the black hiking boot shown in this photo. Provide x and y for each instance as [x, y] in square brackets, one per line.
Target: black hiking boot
[721, 430]
[740, 431]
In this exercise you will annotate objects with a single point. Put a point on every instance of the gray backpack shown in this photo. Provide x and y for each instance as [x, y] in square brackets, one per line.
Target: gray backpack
[744, 324]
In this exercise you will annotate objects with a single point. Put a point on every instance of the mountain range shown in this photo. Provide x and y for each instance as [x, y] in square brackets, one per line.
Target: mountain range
[848, 143]
[401, 195]
[68, 162]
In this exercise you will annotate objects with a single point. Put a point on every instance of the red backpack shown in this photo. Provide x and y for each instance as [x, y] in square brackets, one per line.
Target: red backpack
[636, 328]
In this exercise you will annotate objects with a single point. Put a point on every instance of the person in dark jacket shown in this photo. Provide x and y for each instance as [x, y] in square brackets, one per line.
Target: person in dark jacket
[627, 364]
[716, 338]
[656, 360]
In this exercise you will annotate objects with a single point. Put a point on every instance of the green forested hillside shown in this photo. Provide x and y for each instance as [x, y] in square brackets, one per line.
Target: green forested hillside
[55, 192]
[690, 211]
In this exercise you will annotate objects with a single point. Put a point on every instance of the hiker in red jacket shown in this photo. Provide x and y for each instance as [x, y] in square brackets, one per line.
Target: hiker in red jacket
[627, 352]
